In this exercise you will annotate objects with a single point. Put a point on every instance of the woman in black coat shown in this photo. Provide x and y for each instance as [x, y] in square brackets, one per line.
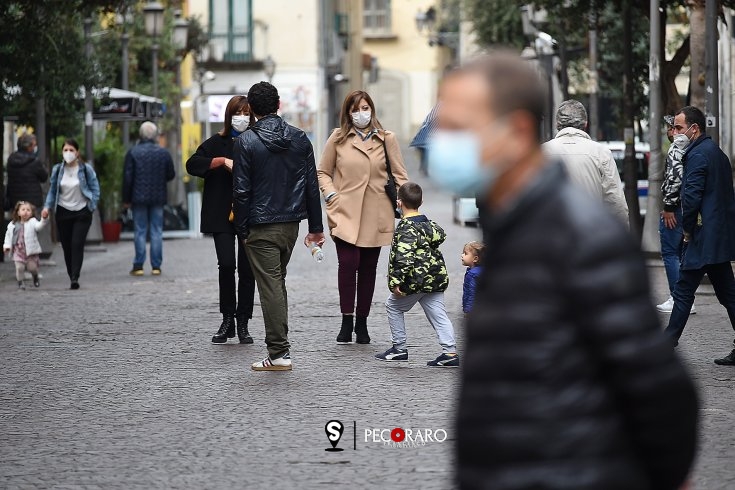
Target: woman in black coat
[213, 162]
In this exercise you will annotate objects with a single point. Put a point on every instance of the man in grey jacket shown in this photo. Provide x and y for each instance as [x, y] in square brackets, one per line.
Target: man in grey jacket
[589, 164]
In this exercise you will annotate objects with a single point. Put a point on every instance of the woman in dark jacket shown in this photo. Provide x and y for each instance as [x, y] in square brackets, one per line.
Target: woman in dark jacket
[213, 162]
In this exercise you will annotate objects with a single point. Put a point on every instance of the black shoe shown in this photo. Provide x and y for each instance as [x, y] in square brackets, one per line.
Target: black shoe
[21, 285]
[74, 285]
[345, 331]
[361, 332]
[36, 283]
[226, 330]
[242, 330]
[728, 360]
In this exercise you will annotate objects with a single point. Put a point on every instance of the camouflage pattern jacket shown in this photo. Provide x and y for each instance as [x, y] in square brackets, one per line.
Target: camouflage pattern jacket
[416, 265]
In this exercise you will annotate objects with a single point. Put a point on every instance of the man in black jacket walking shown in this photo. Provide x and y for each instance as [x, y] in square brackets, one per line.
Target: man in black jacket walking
[26, 173]
[568, 382]
[274, 188]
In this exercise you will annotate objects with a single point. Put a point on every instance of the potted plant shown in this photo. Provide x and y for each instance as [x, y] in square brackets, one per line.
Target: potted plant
[109, 162]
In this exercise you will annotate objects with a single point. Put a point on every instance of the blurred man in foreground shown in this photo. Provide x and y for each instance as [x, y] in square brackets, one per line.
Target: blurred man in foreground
[568, 381]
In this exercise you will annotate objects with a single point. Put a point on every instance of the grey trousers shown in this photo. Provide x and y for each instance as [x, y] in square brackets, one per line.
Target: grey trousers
[269, 249]
[436, 313]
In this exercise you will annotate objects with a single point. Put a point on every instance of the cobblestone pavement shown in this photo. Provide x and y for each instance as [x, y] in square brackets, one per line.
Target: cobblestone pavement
[117, 385]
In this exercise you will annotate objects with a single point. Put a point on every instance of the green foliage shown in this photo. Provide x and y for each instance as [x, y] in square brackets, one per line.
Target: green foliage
[109, 159]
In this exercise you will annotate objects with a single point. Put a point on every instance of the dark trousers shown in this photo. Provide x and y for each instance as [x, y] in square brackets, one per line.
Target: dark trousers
[723, 282]
[269, 250]
[72, 227]
[356, 274]
[225, 245]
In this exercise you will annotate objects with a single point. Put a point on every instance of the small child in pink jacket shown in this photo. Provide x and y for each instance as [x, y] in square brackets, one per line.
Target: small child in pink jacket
[21, 240]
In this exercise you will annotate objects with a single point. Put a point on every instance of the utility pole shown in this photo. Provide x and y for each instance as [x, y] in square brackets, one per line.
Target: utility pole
[594, 129]
[355, 48]
[651, 243]
[124, 40]
[630, 167]
[88, 103]
[711, 77]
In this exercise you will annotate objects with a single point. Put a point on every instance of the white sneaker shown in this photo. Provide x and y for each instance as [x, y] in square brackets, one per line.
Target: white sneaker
[667, 306]
[282, 363]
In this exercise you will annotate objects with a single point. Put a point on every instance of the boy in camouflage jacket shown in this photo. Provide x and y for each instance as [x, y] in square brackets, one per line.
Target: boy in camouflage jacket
[417, 274]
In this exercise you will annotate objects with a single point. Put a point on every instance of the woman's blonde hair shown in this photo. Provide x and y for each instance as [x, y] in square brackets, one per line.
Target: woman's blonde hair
[16, 210]
[348, 107]
[475, 248]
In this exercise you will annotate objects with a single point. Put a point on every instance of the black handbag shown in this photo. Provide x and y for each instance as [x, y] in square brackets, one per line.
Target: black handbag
[390, 186]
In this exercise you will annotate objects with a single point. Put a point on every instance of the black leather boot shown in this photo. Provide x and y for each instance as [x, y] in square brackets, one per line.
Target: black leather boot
[226, 330]
[361, 332]
[345, 331]
[242, 330]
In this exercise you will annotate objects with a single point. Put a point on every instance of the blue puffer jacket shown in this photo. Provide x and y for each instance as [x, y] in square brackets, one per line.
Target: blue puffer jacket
[147, 169]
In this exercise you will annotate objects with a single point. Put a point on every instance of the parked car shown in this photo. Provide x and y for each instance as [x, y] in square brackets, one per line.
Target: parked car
[642, 154]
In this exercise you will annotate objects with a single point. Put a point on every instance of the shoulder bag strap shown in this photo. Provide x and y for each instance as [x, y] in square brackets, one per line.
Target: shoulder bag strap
[387, 160]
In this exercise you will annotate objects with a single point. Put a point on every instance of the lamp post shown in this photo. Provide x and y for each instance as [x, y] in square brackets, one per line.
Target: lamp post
[123, 20]
[269, 68]
[153, 27]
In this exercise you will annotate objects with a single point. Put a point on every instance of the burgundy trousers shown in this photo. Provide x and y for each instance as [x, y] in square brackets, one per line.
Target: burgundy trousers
[356, 276]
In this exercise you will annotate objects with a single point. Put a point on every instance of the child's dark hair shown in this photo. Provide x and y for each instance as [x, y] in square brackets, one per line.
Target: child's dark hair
[475, 248]
[411, 195]
[16, 210]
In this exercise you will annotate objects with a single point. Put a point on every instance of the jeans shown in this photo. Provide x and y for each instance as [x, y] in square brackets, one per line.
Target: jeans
[356, 274]
[723, 282]
[269, 248]
[148, 219]
[436, 313]
[672, 243]
[72, 228]
[231, 303]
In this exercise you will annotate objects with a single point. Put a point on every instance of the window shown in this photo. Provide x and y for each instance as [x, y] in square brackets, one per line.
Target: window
[376, 18]
[230, 30]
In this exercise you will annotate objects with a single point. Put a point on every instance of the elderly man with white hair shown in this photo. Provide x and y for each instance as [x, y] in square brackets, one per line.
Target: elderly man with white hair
[147, 169]
[589, 164]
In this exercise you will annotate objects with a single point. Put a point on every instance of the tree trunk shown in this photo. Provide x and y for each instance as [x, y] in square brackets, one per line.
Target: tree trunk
[669, 71]
[630, 166]
[697, 46]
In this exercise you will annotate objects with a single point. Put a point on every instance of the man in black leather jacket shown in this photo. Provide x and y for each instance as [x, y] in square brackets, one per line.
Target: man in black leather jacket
[274, 188]
[568, 382]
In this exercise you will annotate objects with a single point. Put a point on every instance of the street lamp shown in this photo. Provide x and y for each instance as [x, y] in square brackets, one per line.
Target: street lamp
[154, 27]
[269, 68]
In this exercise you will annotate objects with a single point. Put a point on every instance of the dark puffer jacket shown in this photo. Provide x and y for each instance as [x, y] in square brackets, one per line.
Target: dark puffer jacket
[274, 177]
[416, 265]
[147, 169]
[567, 381]
[26, 173]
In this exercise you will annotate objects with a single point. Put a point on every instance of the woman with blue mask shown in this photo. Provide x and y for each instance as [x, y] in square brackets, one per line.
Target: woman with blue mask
[353, 171]
[213, 162]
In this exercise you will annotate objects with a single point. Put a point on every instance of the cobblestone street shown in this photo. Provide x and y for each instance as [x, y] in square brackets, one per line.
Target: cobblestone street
[117, 385]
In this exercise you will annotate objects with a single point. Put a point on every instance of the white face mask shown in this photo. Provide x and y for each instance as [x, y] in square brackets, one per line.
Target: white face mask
[681, 140]
[361, 119]
[69, 156]
[240, 123]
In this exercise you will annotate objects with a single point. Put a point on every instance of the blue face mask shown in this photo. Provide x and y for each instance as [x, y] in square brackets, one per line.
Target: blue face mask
[454, 163]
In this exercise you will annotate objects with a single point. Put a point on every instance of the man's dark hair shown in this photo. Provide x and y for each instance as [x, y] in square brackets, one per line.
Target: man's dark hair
[515, 85]
[263, 99]
[411, 195]
[692, 115]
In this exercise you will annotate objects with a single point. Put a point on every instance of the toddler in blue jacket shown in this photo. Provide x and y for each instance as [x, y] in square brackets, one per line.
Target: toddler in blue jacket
[472, 259]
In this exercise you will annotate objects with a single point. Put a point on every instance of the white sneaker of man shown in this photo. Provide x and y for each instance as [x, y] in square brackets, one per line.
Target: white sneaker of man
[668, 305]
[280, 363]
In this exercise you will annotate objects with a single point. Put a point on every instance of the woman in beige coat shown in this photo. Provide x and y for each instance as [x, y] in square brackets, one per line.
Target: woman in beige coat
[352, 175]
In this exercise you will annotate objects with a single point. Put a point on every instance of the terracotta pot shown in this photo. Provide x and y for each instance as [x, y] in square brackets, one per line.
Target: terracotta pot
[111, 231]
